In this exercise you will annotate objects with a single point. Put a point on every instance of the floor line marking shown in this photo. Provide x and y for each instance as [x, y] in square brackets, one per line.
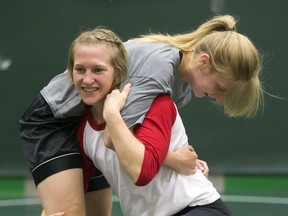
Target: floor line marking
[226, 198]
[255, 199]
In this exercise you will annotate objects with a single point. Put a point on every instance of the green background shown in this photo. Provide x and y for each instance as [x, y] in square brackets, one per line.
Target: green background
[36, 35]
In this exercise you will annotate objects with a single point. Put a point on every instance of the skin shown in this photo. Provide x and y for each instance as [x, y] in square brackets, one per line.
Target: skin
[99, 202]
[195, 70]
[93, 76]
[56, 194]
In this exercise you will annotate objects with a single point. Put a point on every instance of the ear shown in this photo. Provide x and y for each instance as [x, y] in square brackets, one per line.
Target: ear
[204, 59]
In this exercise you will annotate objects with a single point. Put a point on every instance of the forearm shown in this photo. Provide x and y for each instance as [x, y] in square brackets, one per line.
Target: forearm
[170, 159]
[142, 152]
[129, 150]
[182, 160]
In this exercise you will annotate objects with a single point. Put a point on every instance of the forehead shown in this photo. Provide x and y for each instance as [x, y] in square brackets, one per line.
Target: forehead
[100, 46]
[97, 50]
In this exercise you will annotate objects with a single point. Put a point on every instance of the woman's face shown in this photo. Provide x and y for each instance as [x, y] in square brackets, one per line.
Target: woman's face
[93, 74]
[196, 71]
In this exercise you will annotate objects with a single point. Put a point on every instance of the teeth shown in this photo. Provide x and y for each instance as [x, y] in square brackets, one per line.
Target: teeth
[89, 89]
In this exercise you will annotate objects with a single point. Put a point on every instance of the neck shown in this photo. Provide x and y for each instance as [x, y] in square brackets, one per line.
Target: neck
[182, 66]
[97, 113]
[186, 65]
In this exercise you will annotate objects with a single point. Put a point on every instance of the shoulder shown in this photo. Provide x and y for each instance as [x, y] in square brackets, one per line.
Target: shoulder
[162, 100]
[163, 105]
[157, 60]
[152, 50]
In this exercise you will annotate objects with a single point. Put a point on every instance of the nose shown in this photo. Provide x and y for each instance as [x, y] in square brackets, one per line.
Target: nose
[88, 77]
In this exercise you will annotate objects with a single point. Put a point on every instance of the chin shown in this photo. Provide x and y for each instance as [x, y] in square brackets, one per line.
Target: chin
[89, 102]
[198, 95]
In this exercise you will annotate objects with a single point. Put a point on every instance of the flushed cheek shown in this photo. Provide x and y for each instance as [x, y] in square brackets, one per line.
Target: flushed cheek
[77, 86]
[219, 97]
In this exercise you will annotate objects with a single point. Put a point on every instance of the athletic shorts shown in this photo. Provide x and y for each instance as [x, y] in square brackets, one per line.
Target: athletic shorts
[217, 208]
[50, 144]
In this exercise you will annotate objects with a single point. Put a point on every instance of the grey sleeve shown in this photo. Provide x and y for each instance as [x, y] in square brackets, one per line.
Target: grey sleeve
[139, 100]
[62, 97]
[145, 88]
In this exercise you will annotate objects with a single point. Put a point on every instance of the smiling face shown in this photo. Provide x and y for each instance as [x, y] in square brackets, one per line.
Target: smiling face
[93, 74]
[195, 70]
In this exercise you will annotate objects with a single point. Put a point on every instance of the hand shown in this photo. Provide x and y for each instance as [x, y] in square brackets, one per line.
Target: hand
[186, 160]
[203, 166]
[115, 101]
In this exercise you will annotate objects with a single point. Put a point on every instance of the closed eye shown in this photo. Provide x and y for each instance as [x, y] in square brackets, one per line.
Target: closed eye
[221, 88]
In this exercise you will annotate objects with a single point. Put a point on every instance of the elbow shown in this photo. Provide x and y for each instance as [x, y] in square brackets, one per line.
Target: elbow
[135, 175]
[141, 178]
[146, 174]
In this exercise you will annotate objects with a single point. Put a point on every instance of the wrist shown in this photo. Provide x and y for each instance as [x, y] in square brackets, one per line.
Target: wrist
[170, 160]
[111, 115]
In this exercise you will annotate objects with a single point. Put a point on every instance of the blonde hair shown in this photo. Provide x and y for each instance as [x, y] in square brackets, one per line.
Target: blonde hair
[109, 38]
[232, 55]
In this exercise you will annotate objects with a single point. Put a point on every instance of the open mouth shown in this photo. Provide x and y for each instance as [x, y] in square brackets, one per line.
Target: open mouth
[90, 89]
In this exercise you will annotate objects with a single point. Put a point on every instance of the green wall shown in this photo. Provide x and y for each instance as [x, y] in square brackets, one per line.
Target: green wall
[36, 35]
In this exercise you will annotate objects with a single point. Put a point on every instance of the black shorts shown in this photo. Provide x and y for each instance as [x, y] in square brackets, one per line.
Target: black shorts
[50, 144]
[217, 208]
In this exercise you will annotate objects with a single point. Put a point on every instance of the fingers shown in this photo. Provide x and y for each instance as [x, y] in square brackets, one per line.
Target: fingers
[202, 165]
[193, 150]
[115, 101]
[187, 147]
[125, 91]
[127, 88]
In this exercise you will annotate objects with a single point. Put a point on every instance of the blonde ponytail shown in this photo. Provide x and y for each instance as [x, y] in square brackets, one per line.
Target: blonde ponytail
[186, 42]
[232, 55]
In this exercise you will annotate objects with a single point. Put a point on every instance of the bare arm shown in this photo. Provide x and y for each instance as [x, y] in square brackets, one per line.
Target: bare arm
[129, 150]
[183, 160]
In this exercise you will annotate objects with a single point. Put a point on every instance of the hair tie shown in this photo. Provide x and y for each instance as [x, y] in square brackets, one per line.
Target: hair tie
[230, 29]
[222, 29]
